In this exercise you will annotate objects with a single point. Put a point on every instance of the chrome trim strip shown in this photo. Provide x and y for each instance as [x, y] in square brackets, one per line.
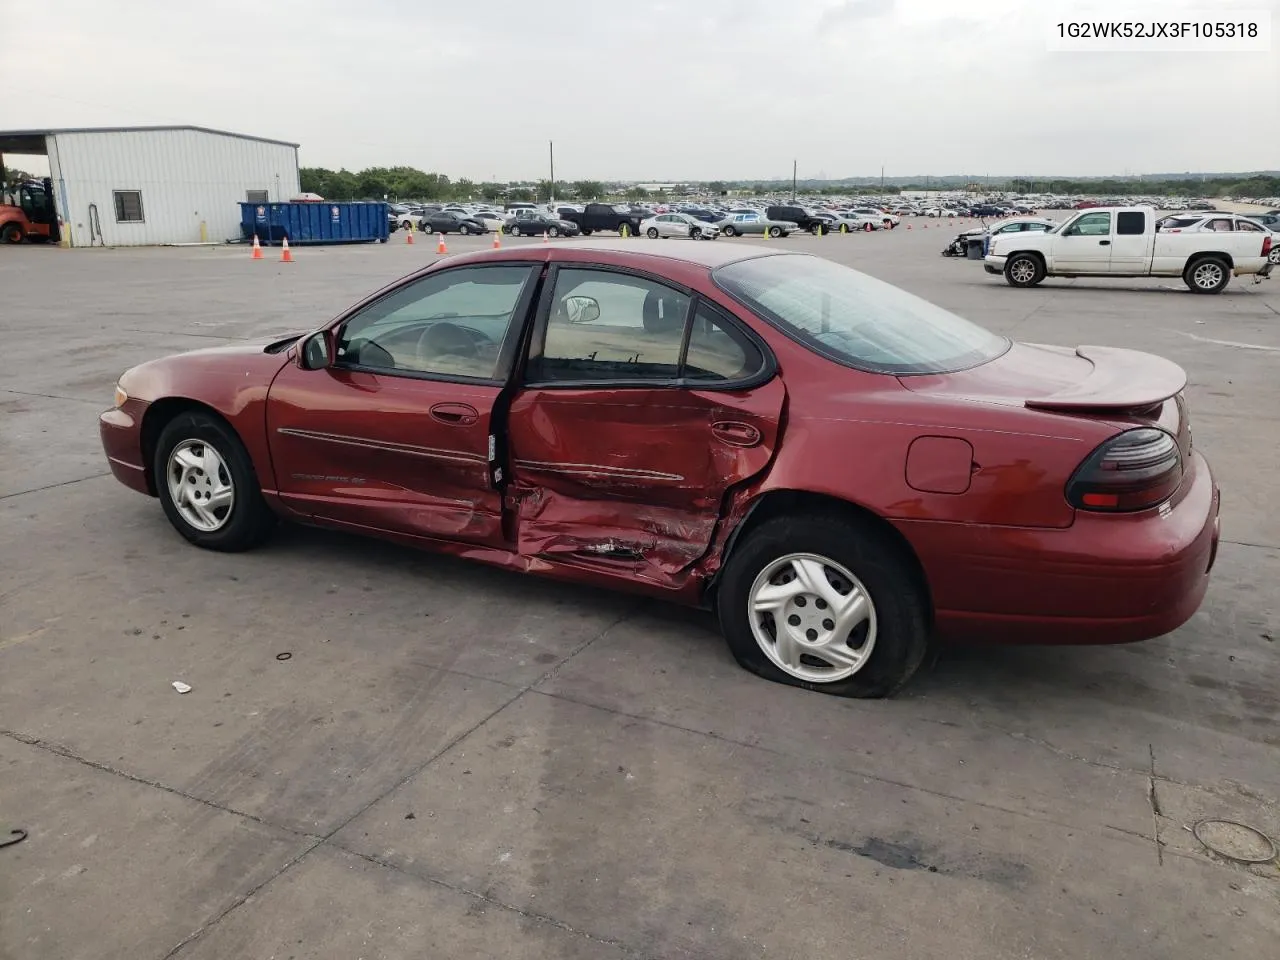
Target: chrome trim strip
[594, 469]
[459, 456]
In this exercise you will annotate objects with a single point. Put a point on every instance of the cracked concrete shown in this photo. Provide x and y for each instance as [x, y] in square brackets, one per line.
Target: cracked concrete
[460, 762]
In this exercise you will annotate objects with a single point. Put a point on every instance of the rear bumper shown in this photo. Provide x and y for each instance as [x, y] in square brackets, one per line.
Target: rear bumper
[1104, 579]
[121, 432]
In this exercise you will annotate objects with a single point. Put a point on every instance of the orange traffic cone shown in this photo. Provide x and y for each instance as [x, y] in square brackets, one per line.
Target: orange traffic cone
[257, 248]
[285, 255]
[440, 247]
[408, 235]
[546, 237]
[867, 227]
[497, 239]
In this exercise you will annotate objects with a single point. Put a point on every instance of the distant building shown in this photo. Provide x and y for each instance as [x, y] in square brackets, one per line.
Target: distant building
[657, 187]
[132, 186]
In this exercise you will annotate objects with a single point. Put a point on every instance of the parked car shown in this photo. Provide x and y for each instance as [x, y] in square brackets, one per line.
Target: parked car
[960, 246]
[678, 225]
[603, 216]
[492, 222]
[1020, 493]
[889, 220]
[405, 217]
[739, 224]
[846, 221]
[1124, 242]
[536, 224]
[804, 219]
[447, 221]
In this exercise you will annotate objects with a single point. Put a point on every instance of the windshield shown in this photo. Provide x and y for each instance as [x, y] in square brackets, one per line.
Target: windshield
[855, 319]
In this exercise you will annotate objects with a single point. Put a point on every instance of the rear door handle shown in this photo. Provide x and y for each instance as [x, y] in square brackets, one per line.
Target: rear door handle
[1104, 243]
[455, 414]
[736, 433]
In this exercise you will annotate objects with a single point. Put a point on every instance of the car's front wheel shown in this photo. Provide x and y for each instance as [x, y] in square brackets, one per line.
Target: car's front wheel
[825, 603]
[730, 232]
[775, 232]
[207, 486]
[1023, 270]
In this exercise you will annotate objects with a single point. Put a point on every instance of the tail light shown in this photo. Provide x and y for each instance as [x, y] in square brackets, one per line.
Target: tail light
[1133, 470]
[1266, 245]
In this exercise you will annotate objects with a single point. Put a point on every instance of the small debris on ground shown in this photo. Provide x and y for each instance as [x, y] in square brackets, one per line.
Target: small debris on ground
[181, 687]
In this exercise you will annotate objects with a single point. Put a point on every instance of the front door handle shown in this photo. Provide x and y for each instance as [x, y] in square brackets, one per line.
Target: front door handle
[1104, 243]
[455, 414]
[736, 433]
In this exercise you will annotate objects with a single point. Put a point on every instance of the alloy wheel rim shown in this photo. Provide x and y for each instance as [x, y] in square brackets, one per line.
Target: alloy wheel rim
[812, 618]
[1022, 271]
[200, 485]
[1208, 275]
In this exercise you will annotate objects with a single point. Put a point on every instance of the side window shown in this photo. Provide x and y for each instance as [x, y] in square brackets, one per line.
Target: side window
[1248, 226]
[1131, 223]
[611, 326]
[718, 350]
[1221, 225]
[450, 323]
[1090, 225]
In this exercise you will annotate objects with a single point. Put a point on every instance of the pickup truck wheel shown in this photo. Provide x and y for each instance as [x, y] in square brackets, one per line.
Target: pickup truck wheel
[1023, 270]
[1207, 275]
[824, 603]
[1274, 255]
[652, 233]
[12, 233]
[586, 232]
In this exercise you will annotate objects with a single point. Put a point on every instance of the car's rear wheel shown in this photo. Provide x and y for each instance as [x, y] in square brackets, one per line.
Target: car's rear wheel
[207, 486]
[824, 603]
[1207, 275]
[11, 233]
[652, 233]
[1274, 255]
[1023, 270]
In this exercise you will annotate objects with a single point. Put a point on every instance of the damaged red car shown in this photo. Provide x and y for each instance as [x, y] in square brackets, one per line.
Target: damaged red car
[841, 470]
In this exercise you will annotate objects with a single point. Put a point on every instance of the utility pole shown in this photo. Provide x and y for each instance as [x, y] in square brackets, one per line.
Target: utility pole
[551, 191]
[882, 178]
[793, 181]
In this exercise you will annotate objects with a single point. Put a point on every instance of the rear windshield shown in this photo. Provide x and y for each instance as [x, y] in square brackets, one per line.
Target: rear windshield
[854, 319]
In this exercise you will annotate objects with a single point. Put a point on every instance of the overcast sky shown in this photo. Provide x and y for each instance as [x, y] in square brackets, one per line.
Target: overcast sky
[650, 89]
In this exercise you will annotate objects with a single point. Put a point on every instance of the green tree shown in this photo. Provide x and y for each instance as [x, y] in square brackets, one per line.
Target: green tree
[717, 187]
[493, 192]
[637, 193]
[520, 195]
[587, 189]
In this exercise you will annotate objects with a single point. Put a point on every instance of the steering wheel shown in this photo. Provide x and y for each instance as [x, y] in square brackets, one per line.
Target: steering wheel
[449, 339]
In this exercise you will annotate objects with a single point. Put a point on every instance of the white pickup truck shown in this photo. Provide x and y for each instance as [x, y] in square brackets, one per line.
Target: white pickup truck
[1124, 242]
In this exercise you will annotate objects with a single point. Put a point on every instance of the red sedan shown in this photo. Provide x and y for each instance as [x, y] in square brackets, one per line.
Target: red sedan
[842, 470]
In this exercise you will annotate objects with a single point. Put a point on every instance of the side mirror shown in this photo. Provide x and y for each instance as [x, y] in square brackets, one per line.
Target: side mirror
[317, 351]
[582, 309]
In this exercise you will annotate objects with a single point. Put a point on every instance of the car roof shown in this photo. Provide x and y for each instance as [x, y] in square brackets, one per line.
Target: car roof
[636, 252]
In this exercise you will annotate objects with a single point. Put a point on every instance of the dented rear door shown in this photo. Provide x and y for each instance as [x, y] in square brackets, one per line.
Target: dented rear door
[634, 473]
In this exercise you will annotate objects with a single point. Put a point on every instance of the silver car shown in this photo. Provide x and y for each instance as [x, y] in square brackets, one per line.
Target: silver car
[678, 225]
[739, 224]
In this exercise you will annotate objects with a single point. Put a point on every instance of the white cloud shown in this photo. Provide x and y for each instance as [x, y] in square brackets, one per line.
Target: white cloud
[648, 89]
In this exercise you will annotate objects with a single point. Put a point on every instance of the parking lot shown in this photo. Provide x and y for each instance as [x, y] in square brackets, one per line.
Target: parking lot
[455, 761]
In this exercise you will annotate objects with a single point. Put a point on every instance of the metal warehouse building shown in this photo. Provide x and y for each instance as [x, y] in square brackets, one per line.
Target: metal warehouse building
[128, 186]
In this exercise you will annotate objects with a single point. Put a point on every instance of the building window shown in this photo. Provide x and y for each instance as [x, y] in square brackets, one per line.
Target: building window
[128, 206]
[255, 196]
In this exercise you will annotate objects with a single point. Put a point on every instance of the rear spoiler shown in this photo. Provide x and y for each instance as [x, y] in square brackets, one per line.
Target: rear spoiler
[1120, 380]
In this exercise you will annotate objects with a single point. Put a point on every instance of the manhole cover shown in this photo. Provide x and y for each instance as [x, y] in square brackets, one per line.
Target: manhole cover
[1235, 841]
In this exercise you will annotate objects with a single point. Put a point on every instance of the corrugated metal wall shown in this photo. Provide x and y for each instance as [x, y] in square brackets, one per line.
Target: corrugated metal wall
[185, 177]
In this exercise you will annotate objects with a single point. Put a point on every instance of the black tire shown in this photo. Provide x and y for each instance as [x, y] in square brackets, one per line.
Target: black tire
[730, 232]
[891, 580]
[11, 233]
[1020, 276]
[553, 232]
[515, 230]
[652, 233]
[695, 233]
[775, 232]
[1274, 255]
[586, 232]
[1207, 275]
[250, 520]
